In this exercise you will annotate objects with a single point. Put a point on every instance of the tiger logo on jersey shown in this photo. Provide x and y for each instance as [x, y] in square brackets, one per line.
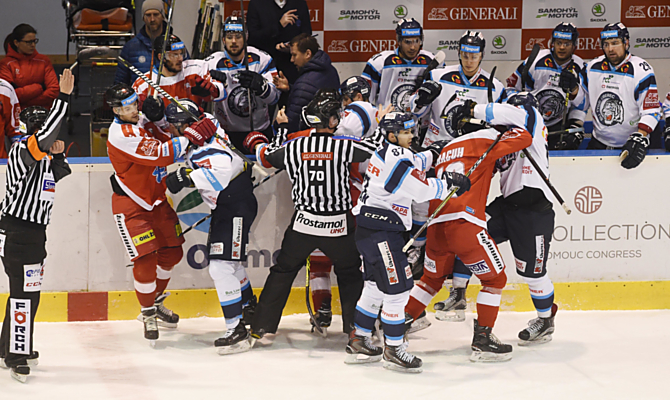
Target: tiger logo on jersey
[551, 102]
[609, 109]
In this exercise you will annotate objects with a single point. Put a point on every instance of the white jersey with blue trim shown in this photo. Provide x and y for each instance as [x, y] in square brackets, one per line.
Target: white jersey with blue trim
[359, 120]
[545, 75]
[233, 112]
[396, 176]
[516, 171]
[214, 166]
[623, 99]
[666, 106]
[393, 79]
[454, 82]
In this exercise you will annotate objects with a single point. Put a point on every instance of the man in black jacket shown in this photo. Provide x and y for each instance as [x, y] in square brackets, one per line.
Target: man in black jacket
[316, 72]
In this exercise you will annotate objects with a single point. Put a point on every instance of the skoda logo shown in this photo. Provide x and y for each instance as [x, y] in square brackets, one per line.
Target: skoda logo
[400, 11]
[588, 199]
[598, 9]
[499, 42]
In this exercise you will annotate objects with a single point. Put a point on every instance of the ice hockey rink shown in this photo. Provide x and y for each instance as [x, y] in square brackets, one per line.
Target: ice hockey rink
[594, 355]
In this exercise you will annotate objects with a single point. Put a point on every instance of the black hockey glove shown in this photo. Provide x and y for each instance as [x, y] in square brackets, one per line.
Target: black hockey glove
[666, 134]
[452, 179]
[427, 93]
[569, 80]
[254, 81]
[178, 180]
[461, 112]
[218, 75]
[636, 145]
[153, 109]
[436, 149]
[570, 141]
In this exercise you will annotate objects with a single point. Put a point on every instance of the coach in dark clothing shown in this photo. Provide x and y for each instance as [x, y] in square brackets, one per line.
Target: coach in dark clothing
[316, 72]
[271, 26]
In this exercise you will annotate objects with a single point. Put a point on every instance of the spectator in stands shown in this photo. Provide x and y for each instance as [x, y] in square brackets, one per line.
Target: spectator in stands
[138, 50]
[30, 73]
[316, 71]
[271, 26]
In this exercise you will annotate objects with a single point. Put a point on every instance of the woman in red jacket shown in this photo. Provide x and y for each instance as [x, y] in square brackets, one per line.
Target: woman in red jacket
[29, 72]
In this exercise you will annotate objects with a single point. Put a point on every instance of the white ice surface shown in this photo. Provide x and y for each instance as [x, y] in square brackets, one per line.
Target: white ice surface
[594, 355]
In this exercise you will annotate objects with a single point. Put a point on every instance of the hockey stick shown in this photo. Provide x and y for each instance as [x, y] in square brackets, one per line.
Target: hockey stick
[567, 99]
[434, 63]
[89, 53]
[564, 131]
[315, 323]
[547, 182]
[246, 65]
[489, 86]
[165, 40]
[160, 90]
[455, 189]
[525, 76]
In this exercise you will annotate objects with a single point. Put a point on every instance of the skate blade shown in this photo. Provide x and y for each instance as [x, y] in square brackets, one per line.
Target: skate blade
[395, 367]
[161, 323]
[419, 325]
[152, 343]
[239, 347]
[361, 359]
[541, 340]
[481, 356]
[450, 316]
[19, 377]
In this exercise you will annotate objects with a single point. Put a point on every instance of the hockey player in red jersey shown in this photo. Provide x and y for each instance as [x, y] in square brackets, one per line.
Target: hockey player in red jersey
[9, 116]
[182, 79]
[140, 149]
[459, 230]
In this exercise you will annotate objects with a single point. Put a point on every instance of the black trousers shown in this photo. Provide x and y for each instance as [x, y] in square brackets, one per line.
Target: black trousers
[22, 253]
[295, 249]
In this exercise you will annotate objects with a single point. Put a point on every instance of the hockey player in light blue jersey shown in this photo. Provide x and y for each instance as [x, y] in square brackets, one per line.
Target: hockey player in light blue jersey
[395, 176]
[224, 182]
[360, 117]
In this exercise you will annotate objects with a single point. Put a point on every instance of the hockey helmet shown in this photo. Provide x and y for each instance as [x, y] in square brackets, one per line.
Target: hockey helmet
[472, 42]
[353, 85]
[523, 98]
[120, 95]
[234, 24]
[613, 31]
[173, 44]
[566, 31]
[326, 103]
[176, 116]
[31, 119]
[394, 122]
[408, 28]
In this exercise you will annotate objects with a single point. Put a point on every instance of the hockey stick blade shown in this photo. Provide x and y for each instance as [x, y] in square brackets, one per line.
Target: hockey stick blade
[623, 155]
[94, 52]
[564, 131]
[489, 86]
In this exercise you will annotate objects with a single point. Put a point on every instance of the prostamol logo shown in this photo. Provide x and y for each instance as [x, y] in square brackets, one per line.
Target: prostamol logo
[318, 224]
[588, 199]
[358, 15]
[569, 12]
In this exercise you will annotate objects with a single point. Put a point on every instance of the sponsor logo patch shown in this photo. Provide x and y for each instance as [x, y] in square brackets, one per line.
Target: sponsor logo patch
[237, 238]
[317, 156]
[429, 265]
[32, 277]
[402, 210]
[520, 265]
[143, 238]
[479, 268]
[19, 336]
[216, 249]
[320, 225]
[387, 258]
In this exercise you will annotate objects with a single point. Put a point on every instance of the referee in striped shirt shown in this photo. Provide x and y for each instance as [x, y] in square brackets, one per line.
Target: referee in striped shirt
[36, 162]
[318, 167]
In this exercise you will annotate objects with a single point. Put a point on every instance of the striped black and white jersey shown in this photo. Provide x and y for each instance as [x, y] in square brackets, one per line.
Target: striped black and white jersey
[318, 165]
[32, 172]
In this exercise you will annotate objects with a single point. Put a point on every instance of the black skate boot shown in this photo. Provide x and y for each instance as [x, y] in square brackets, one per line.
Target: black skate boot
[33, 360]
[539, 330]
[397, 358]
[419, 324]
[166, 318]
[234, 341]
[150, 324]
[324, 316]
[486, 347]
[360, 350]
[453, 308]
[20, 372]
[248, 311]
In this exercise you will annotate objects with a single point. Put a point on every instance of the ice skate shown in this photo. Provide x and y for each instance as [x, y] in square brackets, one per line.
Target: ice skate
[324, 316]
[397, 358]
[360, 350]
[248, 311]
[486, 347]
[150, 325]
[33, 360]
[453, 308]
[235, 340]
[20, 372]
[539, 330]
[419, 324]
[165, 317]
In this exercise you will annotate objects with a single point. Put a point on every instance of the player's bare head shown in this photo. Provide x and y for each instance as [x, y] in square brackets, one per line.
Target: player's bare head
[564, 41]
[234, 33]
[324, 111]
[303, 48]
[409, 35]
[123, 101]
[615, 41]
[471, 51]
[175, 51]
[398, 128]
[355, 88]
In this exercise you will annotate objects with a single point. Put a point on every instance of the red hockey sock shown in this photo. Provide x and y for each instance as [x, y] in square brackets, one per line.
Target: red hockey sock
[422, 293]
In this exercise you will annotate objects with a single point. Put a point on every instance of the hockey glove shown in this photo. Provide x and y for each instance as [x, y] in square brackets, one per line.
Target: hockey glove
[204, 87]
[200, 132]
[153, 108]
[462, 112]
[569, 80]
[252, 140]
[254, 81]
[436, 149]
[218, 75]
[427, 93]
[179, 179]
[452, 179]
[636, 145]
[666, 134]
